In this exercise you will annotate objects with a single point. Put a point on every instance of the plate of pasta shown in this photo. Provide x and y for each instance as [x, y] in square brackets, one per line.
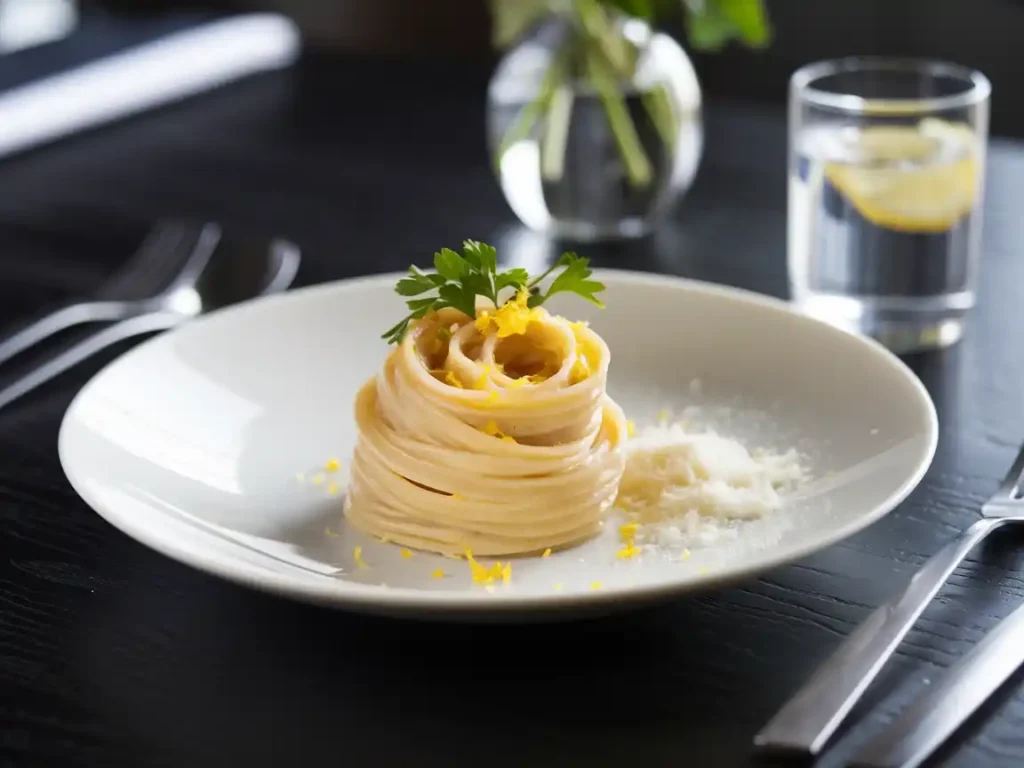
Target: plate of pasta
[467, 440]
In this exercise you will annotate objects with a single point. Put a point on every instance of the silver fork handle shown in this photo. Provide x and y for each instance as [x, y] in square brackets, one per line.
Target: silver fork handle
[99, 341]
[61, 320]
[807, 721]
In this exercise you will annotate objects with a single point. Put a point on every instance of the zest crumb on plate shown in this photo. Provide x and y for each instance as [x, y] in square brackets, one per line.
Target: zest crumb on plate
[357, 555]
[332, 465]
[406, 554]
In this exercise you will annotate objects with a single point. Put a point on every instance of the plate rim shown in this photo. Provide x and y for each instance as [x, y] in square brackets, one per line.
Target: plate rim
[369, 598]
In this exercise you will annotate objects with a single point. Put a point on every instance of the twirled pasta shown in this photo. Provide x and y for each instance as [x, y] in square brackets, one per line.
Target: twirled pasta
[493, 434]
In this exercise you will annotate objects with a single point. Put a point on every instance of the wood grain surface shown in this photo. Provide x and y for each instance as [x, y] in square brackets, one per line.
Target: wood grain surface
[112, 655]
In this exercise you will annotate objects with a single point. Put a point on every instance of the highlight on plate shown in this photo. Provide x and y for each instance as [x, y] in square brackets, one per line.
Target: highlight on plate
[488, 429]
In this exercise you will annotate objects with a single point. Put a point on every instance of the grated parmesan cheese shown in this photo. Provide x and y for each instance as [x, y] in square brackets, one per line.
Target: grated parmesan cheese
[688, 488]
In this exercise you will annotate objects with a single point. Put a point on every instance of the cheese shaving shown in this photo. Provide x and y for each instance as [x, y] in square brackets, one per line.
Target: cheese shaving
[684, 489]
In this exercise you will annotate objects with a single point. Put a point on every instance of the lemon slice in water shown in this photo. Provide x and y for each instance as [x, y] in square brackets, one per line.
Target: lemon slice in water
[918, 179]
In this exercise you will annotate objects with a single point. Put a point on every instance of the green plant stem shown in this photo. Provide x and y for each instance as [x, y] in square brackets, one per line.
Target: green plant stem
[532, 112]
[599, 28]
[659, 107]
[556, 134]
[638, 167]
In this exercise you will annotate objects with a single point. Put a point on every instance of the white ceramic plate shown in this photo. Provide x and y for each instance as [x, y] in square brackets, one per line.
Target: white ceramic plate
[192, 443]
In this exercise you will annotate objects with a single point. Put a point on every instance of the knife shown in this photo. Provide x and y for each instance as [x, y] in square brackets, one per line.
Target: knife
[939, 712]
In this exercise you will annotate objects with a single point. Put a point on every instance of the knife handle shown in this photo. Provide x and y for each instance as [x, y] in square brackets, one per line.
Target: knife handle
[810, 718]
[937, 713]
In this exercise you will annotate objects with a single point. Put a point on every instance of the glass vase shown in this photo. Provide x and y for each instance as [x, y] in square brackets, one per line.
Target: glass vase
[594, 134]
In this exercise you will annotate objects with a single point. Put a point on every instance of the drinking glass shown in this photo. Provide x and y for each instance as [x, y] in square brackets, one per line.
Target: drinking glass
[886, 172]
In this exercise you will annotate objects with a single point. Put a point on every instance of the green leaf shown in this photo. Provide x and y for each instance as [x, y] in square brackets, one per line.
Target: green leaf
[396, 332]
[713, 23]
[641, 9]
[481, 255]
[433, 277]
[418, 305]
[573, 279]
[409, 286]
[516, 277]
[449, 264]
[477, 284]
[511, 18]
[453, 295]
[749, 18]
[461, 279]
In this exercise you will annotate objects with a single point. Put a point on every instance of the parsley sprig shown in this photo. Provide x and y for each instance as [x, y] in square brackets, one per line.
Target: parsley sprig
[459, 279]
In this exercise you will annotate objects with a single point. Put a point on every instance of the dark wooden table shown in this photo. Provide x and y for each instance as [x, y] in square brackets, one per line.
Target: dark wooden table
[113, 655]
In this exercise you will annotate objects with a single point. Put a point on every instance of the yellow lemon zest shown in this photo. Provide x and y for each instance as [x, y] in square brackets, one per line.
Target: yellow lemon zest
[357, 555]
[452, 379]
[558, 586]
[628, 531]
[628, 552]
[332, 465]
[630, 428]
[596, 585]
[547, 552]
[406, 554]
[580, 370]
[438, 574]
[491, 428]
[484, 575]
[685, 555]
[329, 532]
[483, 321]
[332, 489]
[515, 316]
[318, 479]
[481, 381]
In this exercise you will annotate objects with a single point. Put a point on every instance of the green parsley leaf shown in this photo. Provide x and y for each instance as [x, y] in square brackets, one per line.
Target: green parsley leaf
[574, 279]
[515, 278]
[481, 255]
[460, 279]
[449, 264]
[409, 286]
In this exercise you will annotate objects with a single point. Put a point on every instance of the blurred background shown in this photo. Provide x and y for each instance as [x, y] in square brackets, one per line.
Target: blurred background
[977, 33]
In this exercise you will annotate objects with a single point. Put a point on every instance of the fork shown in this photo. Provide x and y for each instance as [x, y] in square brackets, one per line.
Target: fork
[810, 718]
[142, 285]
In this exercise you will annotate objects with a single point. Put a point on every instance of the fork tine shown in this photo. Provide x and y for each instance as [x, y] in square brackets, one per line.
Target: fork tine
[151, 267]
[1011, 485]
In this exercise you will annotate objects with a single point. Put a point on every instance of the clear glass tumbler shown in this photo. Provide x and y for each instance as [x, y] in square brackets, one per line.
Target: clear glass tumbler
[886, 174]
